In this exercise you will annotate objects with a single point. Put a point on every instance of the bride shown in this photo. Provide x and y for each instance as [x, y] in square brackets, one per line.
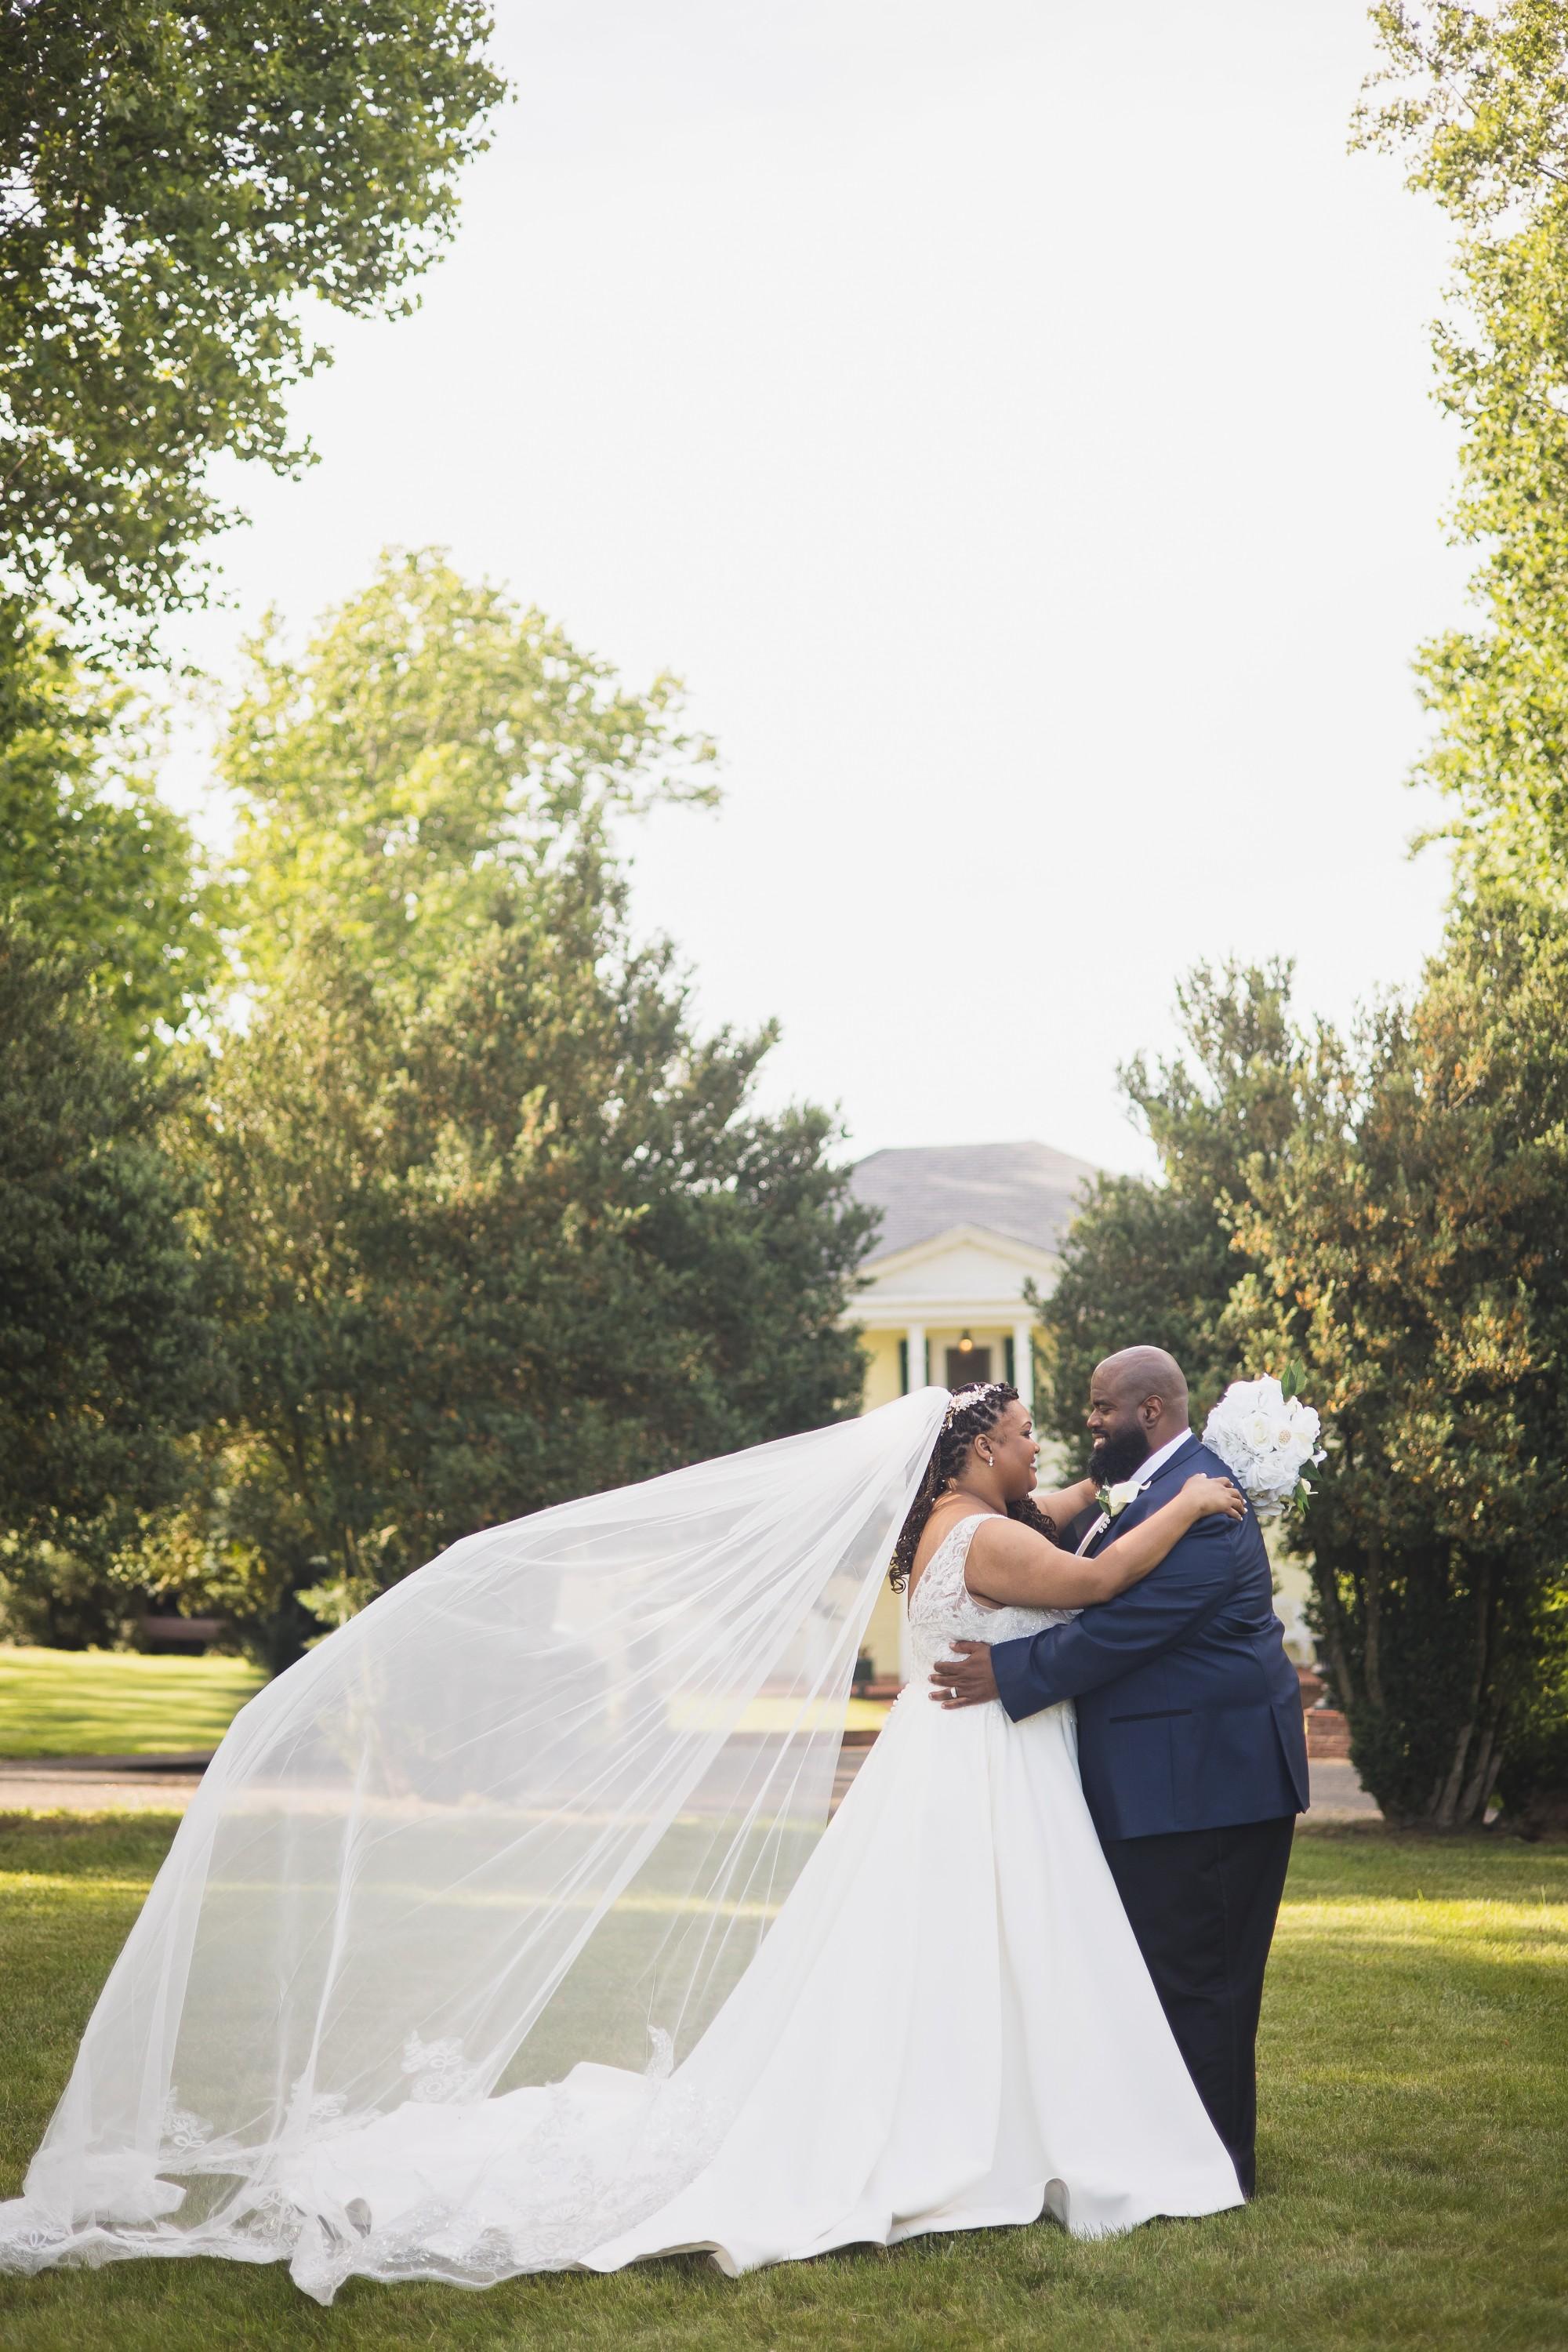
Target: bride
[503, 1936]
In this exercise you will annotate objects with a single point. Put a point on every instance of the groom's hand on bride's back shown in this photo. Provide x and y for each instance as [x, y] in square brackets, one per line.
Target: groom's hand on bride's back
[965, 1679]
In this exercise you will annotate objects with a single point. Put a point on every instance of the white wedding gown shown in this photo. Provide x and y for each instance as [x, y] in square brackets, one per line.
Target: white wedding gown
[949, 2026]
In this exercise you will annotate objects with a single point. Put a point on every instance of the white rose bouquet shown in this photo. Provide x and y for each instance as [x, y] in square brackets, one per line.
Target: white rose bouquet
[1267, 1439]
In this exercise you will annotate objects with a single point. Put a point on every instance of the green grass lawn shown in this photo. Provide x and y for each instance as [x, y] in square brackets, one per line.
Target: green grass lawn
[113, 1703]
[117, 1703]
[1413, 2156]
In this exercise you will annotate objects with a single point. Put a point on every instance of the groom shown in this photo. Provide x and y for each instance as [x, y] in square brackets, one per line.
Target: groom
[1189, 1732]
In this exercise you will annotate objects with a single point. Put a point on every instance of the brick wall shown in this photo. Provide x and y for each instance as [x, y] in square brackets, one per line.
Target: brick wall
[1328, 1733]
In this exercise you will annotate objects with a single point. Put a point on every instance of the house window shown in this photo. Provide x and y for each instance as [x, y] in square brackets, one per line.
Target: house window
[966, 1365]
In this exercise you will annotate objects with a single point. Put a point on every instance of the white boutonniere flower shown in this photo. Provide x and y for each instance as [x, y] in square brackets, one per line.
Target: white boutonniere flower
[1113, 1500]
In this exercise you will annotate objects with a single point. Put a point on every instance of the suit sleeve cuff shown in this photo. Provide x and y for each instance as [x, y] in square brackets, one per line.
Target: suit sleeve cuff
[1016, 1684]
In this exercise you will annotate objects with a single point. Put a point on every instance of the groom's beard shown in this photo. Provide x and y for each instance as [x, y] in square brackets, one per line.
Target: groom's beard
[1115, 1458]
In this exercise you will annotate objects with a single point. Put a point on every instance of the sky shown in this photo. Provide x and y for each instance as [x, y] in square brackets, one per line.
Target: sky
[1014, 423]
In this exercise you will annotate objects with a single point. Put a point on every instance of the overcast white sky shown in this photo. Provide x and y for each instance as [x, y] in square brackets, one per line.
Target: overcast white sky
[1011, 419]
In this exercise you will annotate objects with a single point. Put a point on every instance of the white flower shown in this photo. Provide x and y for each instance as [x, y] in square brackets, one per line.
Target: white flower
[1265, 1439]
[1117, 1497]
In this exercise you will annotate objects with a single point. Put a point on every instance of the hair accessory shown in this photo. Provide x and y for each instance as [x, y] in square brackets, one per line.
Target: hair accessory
[964, 1398]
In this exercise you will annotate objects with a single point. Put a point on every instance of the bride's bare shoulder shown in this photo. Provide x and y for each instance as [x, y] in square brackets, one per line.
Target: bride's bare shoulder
[1004, 1548]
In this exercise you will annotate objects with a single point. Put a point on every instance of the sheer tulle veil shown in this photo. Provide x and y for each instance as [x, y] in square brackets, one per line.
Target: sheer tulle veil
[530, 1811]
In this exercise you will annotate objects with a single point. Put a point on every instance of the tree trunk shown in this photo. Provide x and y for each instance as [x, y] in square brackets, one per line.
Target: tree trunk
[1371, 1647]
[1461, 1796]
[1479, 1787]
[1347, 1687]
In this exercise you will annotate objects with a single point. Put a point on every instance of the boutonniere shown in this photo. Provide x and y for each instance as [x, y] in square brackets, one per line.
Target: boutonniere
[1113, 1500]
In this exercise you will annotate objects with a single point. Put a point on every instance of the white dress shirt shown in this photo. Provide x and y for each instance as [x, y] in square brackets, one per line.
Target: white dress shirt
[1146, 1470]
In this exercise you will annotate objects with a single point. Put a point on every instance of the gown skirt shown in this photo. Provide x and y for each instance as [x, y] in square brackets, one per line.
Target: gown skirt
[949, 2026]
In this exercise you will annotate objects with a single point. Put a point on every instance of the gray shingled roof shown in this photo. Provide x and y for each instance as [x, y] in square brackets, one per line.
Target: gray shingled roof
[1024, 1189]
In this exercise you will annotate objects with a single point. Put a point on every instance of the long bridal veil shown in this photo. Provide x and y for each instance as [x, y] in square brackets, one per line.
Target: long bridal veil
[530, 1812]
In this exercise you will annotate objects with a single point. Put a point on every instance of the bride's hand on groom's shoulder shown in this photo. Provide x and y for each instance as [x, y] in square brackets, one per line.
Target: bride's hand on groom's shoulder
[966, 1680]
[1213, 1498]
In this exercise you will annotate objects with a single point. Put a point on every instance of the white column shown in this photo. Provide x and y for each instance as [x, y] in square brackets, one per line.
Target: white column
[1024, 1362]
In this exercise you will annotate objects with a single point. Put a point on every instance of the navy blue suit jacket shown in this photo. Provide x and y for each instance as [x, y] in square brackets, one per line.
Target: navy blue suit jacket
[1189, 1713]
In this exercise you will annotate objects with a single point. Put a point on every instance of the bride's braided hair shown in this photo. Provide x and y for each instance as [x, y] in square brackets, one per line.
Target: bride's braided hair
[972, 1412]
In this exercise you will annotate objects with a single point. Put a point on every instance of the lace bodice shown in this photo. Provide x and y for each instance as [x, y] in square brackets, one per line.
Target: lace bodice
[942, 1609]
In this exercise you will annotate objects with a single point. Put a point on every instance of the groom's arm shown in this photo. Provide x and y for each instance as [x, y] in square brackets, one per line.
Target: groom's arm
[1111, 1639]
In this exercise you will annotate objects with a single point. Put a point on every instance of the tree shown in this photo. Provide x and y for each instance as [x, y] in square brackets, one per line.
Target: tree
[1478, 102]
[1407, 1247]
[1385, 1211]
[435, 753]
[497, 1226]
[1153, 1264]
[91, 859]
[500, 1246]
[106, 1351]
[485, 1222]
[173, 184]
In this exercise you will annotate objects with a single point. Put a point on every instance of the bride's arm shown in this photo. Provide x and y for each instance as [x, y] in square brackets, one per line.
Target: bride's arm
[1011, 1565]
[1062, 1507]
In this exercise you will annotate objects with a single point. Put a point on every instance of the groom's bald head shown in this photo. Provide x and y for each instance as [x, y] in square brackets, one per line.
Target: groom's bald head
[1137, 1403]
[1136, 1376]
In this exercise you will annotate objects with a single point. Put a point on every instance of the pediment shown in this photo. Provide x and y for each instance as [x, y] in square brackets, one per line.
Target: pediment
[967, 1262]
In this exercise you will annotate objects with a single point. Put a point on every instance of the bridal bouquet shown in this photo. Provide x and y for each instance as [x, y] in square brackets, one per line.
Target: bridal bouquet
[1267, 1439]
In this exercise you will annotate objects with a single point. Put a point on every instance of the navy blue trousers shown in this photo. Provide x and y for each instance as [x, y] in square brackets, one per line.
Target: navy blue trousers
[1203, 1903]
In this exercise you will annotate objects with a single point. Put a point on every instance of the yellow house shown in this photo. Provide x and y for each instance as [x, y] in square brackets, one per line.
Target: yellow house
[964, 1228]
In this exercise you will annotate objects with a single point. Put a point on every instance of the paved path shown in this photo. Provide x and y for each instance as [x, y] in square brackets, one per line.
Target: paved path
[1337, 1792]
[166, 1784]
[101, 1784]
